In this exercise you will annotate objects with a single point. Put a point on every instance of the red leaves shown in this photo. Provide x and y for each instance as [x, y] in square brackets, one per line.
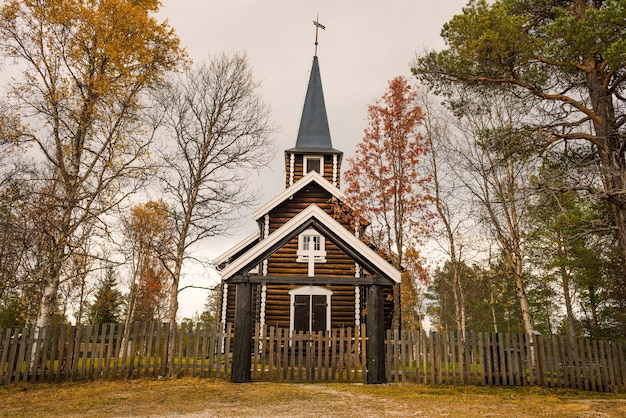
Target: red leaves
[385, 180]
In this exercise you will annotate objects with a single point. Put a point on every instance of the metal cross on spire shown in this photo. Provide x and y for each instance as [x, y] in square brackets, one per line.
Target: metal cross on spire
[318, 25]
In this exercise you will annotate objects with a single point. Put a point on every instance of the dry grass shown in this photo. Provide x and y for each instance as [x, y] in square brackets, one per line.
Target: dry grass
[207, 398]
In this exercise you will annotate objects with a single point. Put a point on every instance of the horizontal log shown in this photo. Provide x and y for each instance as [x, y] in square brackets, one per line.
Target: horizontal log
[332, 251]
[314, 281]
[324, 277]
[289, 261]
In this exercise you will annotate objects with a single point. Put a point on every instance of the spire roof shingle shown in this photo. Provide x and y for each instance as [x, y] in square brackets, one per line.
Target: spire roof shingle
[314, 133]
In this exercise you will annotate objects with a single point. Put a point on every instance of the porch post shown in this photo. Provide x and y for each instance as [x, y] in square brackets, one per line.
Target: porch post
[375, 335]
[242, 341]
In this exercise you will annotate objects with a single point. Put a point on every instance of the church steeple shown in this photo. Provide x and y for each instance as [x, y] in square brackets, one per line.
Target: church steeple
[314, 149]
[314, 131]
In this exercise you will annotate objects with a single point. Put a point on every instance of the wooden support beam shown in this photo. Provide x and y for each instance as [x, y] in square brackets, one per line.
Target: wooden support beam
[375, 335]
[313, 281]
[242, 342]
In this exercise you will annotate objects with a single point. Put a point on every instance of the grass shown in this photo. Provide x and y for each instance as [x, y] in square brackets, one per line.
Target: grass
[214, 397]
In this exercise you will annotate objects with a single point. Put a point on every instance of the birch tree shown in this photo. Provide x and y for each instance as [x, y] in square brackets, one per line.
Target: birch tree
[149, 248]
[453, 204]
[217, 132]
[495, 158]
[85, 65]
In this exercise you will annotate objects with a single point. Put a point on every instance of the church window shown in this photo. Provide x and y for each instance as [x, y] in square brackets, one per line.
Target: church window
[310, 309]
[311, 249]
[314, 163]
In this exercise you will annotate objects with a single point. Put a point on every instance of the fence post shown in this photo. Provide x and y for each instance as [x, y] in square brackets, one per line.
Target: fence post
[538, 359]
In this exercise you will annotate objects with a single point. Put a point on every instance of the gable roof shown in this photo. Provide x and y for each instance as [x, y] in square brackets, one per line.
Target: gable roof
[312, 176]
[313, 216]
[314, 133]
[244, 244]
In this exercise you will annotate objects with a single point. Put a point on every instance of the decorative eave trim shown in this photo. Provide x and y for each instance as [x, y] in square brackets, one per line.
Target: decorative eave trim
[313, 216]
[312, 176]
[247, 241]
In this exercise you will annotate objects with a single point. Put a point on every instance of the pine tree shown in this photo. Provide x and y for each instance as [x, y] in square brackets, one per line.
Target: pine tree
[107, 306]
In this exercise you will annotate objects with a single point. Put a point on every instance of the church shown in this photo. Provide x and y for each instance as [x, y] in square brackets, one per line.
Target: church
[307, 267]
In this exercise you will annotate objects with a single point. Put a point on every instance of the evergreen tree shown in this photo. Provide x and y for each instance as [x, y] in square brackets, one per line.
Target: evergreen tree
[566, 57]
[211, 313]
[107, 305]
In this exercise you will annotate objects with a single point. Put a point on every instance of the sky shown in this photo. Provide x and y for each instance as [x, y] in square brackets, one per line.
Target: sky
[364, 44]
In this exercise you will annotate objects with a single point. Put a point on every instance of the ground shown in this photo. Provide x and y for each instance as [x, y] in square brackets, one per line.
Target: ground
[195, 398]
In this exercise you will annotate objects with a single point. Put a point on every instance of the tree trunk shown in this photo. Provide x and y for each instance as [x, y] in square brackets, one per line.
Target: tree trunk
[610, 148]
[49, 298]
[492, 303]
[459, 302]
[567, 296]
[614, 181]
[525, 307]
[520, 288]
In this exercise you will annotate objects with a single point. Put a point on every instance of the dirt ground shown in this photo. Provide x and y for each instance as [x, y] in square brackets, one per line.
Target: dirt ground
[328, 401]
[196, 398]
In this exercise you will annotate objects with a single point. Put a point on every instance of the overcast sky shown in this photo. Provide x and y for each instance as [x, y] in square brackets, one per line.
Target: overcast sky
[365, 44]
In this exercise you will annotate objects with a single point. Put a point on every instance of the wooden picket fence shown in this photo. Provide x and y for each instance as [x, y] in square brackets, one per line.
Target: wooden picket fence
[505, 359]
[113, 351]
[336, 355]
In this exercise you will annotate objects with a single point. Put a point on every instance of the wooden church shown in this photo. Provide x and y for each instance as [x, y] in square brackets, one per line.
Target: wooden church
[306, 268]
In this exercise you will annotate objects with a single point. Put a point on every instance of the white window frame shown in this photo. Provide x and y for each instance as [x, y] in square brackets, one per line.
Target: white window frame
[310, 291]
[305, 240]
[308, 158]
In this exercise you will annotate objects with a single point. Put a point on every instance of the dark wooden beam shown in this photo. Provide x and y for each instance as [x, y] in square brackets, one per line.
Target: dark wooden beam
[242, 341]
[314, 281]
[375, 335]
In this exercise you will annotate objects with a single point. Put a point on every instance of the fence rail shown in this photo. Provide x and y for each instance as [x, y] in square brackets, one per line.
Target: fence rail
[113, 351]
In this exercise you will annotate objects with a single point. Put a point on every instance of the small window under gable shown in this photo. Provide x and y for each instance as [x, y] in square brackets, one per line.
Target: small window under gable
[311, 249]
[311, 244]
[313, 163]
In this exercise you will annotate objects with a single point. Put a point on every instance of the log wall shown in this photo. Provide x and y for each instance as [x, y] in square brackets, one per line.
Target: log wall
[299, 168]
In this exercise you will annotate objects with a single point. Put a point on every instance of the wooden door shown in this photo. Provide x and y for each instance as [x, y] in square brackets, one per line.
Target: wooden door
[310, 313]
[302, 313]
[318, 313]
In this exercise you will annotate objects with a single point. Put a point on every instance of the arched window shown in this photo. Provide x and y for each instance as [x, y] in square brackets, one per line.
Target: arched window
[310, 309]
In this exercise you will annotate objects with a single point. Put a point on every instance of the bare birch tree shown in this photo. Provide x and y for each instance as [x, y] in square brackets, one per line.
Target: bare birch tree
[85, 65]
[217, 131]
[496, 160]
[451, 201]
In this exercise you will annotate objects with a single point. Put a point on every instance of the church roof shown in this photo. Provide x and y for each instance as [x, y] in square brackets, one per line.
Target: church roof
[244, 245]
[313, 216]
[314, 133]
[311, 177]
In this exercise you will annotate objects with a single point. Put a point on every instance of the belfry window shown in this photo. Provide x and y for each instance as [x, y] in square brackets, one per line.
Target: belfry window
[313, 163]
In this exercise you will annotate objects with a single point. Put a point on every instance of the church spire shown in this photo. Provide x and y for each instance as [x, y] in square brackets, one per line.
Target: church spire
[314, 131]
[314, 150]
